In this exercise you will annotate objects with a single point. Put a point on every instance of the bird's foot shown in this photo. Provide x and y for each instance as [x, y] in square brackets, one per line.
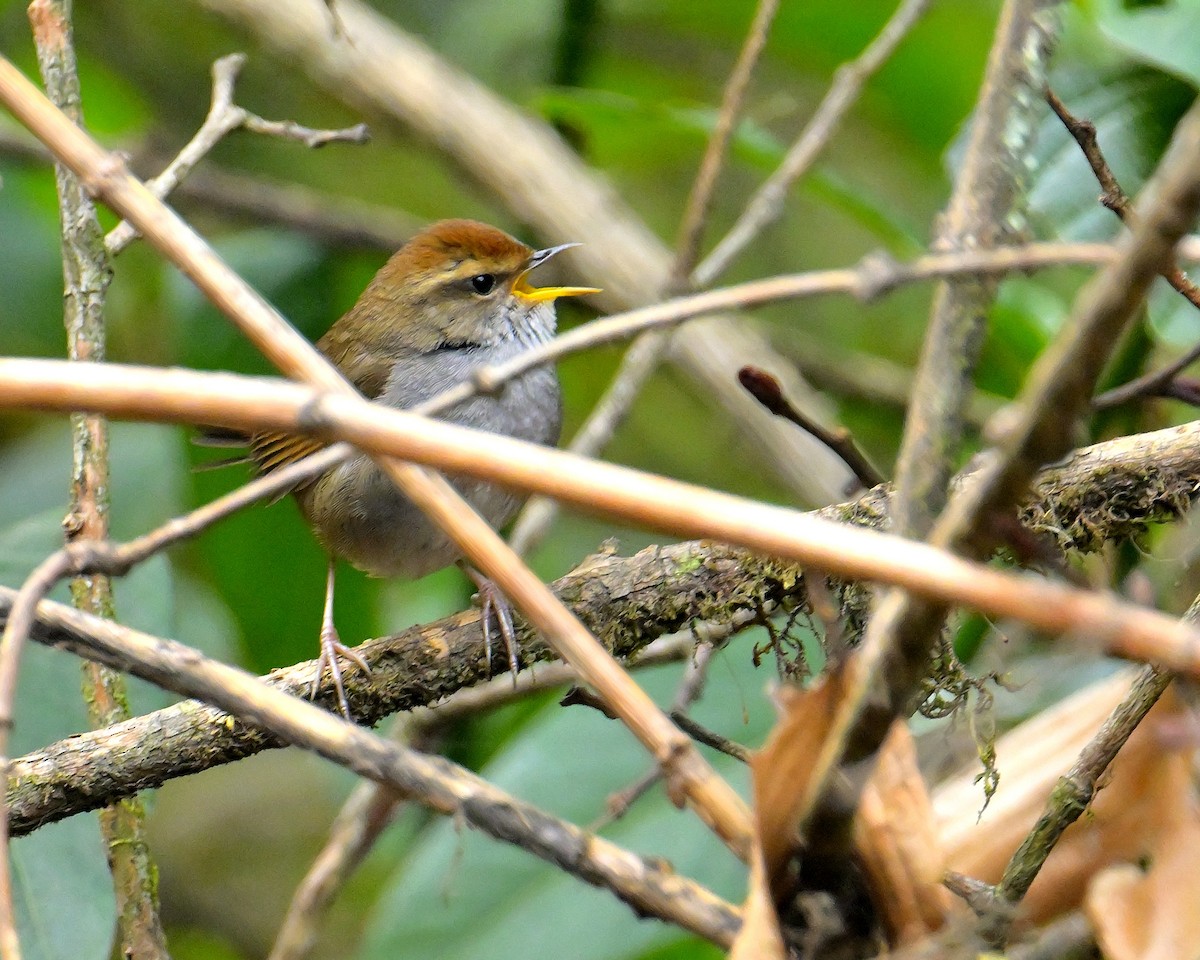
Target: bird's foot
[494, 604]
[331, 649]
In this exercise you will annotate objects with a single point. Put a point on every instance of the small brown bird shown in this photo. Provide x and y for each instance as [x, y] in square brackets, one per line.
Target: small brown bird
[454, 298]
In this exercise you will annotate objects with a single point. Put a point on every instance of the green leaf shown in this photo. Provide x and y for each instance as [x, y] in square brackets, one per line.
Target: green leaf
[112, 105]
[27, 542]
[867, 209]
[59, 871]
[63, 893]
[145, 600]
[1163, 35]
[683, 949]
[1025, 313]
[31, 269]
[1134, 111]
[145, 483]
[147, 473]
[48, 705]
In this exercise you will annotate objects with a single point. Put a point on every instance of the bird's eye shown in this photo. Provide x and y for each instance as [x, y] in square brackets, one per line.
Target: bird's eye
[482, 283]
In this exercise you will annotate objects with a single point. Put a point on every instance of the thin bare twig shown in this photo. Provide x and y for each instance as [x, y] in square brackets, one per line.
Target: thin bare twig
[881, 677]
[986, 201]
[524, 162]
[644, 355]
[95, 556]
[619, 802]
[874, 273]
[1113, 197]
[767, 391]
[888, 668]
[691, 686]
[874, 276]
[535, 175]
[849, 80]
[86, 275]
[695, 215]
[976, 894]
[224, 116]
[695, 675]
[334, 220]
[1070, 798]
[1059, 388]
[702, 734]
[142, 931]
[413, 669]
[1163, 382]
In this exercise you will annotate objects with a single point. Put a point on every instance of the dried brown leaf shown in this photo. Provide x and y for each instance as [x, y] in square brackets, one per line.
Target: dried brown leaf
[1154, 914]
[760, 937]
[784, 769]
[783, 772]
[897, 841]
[1139, 795]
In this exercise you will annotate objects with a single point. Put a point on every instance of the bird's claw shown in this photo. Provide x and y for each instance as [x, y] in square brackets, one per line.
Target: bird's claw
[331, 649]
[493, 603]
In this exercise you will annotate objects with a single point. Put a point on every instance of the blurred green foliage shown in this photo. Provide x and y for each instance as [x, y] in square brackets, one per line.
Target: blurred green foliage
[645, 78]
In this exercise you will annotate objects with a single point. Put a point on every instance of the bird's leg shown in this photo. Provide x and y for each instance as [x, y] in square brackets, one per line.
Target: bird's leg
[493, 602]
[332, 648]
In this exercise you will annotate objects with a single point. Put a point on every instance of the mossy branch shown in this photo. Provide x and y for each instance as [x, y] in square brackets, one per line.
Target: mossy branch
[626, 601]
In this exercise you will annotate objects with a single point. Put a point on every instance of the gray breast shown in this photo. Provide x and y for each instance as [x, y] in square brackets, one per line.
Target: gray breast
[382, 532]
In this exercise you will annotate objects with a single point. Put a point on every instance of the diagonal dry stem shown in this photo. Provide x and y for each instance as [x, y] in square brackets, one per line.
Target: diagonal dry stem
[86, 275]
[1113, 197]
[695, 214]
[657, 503]
[867, 275]
[105, 175]
[644, 355]
[986, 203]
[371, 807]
[1070, 799]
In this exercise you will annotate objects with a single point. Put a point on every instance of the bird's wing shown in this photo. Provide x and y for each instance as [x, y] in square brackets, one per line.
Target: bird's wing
[367, 370]
[270, 451]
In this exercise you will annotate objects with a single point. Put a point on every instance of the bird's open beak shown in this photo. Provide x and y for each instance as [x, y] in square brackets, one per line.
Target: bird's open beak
[525, 291]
